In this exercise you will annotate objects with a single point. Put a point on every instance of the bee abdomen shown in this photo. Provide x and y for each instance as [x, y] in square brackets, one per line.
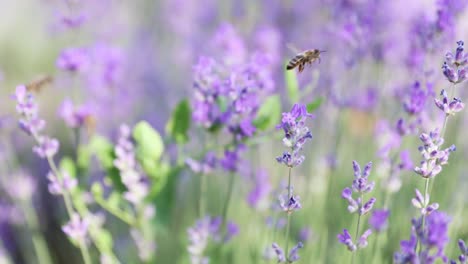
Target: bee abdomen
[294, 62]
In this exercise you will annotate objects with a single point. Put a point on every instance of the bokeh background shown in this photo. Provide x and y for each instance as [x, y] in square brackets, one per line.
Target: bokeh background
[140, 58]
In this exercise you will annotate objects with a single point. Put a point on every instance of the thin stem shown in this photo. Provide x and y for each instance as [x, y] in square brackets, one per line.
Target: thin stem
[228, 197]
[201, 195]
[39, 243]
[426, 189]
[357, 227]
[289, 214]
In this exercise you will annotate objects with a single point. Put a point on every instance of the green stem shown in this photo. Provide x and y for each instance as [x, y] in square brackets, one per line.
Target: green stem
[39, 243]
[201, 195]
[228, 198]
[426, 189]
[289, 214]
[122, 215]
[357, 228]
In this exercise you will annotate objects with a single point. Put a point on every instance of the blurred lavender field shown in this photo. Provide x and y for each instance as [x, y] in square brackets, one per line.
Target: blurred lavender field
[170, 132]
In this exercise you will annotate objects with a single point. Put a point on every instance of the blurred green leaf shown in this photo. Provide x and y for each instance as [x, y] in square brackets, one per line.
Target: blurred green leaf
[68, 165]
[150, 145]
[179, 123]
[159, 177]
[269, 113]
[313, 106]
[104, 151]
[292, 86]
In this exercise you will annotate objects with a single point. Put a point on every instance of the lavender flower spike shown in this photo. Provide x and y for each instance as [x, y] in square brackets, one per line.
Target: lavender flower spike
[296, 135]
[347, 240]
[449, 108]
[455, 68]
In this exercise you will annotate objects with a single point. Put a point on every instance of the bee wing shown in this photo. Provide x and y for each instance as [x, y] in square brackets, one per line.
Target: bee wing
[293, 48]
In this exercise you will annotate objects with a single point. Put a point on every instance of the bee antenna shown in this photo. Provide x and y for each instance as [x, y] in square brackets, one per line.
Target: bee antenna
[323, 51]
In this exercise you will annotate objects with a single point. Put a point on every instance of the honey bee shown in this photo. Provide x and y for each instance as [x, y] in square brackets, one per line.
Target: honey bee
[38, 84]
[303, 58]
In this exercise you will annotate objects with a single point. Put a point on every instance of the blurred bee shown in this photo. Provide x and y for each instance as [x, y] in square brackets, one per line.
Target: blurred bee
[303, 58]
[38, 84]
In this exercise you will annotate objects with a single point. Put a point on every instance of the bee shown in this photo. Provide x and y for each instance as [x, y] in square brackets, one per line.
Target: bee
[303, 58]
[39, 83]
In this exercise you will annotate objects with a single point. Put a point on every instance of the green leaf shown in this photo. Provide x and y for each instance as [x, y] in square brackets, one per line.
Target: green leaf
[159, 177]
[104, 151]
[68, 165]
[312, 107]
[269, 113]
[179, 123]
[292, 86]
[149, 143]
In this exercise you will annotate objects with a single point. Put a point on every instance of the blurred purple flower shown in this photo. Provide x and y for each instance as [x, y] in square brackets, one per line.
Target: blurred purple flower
[289, 205]
[293, 255]
[47, 147]
[73, 60]
[405, 160]
[449, 108]
[205, 166]
[77, 229]
[464, 252]
[146, 246]
[125, 162]
[455, 68]
[21, 186]
[73, 116]
[379, 220]
[347, 240]
[261, 189]
[415, 99]
[59, 186]
[434, 157]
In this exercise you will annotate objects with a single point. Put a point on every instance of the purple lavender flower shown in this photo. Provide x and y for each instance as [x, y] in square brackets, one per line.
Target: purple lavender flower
[206, 166]
[137, 188]
[231, 159]
[73, 116]
[289, 205]
[73, 59]
[347, 240]
[464, 252]
[146, 246]
[293, 255]
[422, 202]
[379, 220]
[455, 68]
[296, 135]
[59, 186]
[206, 230]
[47, 147]
[449, 108]
[433, 239]
[415, 100]
[261, 189]
[434, 157]
[77, 229]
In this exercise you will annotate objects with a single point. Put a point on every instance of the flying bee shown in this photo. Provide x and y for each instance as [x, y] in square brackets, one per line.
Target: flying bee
[303, 58]
[39, 83]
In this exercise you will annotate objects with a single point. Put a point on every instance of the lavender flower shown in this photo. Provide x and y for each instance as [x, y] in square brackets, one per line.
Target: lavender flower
[260, 191]
[434, 157]
[464, 252]
[125, 161]
[206, 166]
[416, 99]
[455, 68]
[77, 229]
[361, 186]
[296, 135]
[73, 59]
[58, 187]
[145, 246]
[449, 108]
[202, 233]
[293, 253]
[422, 202]
[433, 237]
[289, 205]
[74, 116]
[379, 220]
[21, 186]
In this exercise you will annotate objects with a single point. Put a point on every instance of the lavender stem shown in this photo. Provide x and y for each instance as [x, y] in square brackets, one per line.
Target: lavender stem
[289, 213]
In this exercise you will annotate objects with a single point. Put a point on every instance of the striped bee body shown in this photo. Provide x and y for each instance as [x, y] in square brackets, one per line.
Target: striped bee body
[303, 58]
